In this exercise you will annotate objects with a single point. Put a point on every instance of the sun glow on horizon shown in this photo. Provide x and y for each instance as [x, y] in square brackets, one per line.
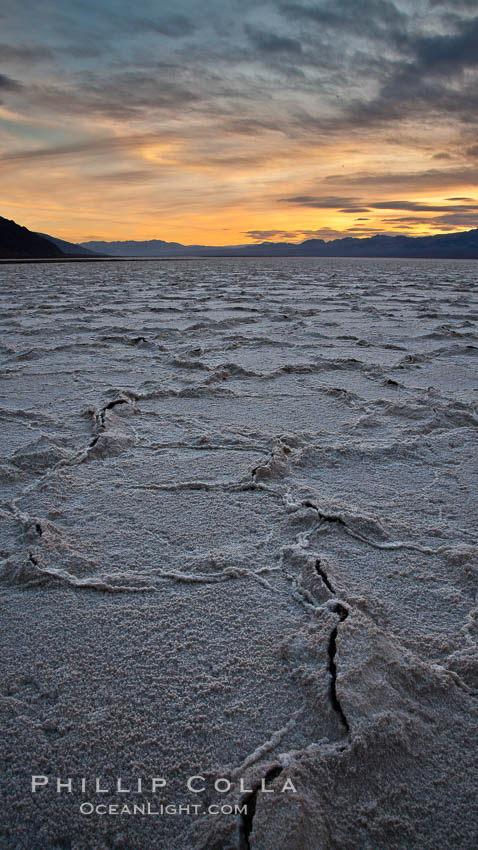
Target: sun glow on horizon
[236, 127]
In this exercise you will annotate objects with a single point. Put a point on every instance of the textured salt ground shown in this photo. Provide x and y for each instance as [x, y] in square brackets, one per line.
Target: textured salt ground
[238, 539]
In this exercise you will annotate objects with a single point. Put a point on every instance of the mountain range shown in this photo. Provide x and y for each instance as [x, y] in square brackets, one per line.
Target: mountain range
[17, 242]
[448, 245]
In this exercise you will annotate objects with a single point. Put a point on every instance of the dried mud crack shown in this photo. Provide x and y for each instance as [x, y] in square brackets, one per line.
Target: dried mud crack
[332, 652]
[323, 575]
[247, 819]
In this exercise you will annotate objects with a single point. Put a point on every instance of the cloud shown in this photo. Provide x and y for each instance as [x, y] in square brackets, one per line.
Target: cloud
[25, 55]
[421, 207]
[90, 147]
[325, 233]
[251, 126]
[462, 214]
[174, 25]
[415, 73]
[447, 54]
[264, 235]
[8, 84]
[323, 202]
[260, 102]
[349, 205]
[268, 42]
[329, 233]
[354, 210]
[369, 18]
[415, 181]
[454, 221]
[123, 95]
[453, 5]
[121, 176]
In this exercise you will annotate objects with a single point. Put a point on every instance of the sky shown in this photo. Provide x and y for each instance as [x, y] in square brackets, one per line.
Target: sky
[226, 122]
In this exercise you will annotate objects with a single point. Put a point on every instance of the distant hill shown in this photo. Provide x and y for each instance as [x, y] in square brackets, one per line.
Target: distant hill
[159, 248]
[18, 243]
[153, 248]
[462, 245]
[70, 249]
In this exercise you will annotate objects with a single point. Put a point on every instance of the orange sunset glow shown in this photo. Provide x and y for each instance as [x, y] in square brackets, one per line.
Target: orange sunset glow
[270, 121]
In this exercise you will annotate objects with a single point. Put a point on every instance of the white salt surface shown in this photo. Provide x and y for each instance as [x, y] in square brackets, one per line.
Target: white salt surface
[238, 542]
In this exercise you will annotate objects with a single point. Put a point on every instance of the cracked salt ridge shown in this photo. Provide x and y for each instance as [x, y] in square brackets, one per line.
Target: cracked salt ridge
[240, 835]
[32, 527]
[352, 307]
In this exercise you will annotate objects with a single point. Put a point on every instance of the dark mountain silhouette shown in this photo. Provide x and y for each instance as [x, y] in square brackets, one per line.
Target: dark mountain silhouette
[159, 248]
[462, 245]
[70, 249]
[18, 243]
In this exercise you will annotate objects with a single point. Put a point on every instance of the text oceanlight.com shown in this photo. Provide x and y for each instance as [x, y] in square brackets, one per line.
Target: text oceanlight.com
[162, 809]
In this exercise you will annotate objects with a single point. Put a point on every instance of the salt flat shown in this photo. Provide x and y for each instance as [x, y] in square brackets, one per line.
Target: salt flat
[239, 541]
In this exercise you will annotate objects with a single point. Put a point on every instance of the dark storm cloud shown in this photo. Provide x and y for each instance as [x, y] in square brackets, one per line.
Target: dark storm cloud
[447, 54]
[268, 42]
[413, 69]
[419, 83]
[408, 95]
[369, 18]
[9, 84]
[321, 54]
